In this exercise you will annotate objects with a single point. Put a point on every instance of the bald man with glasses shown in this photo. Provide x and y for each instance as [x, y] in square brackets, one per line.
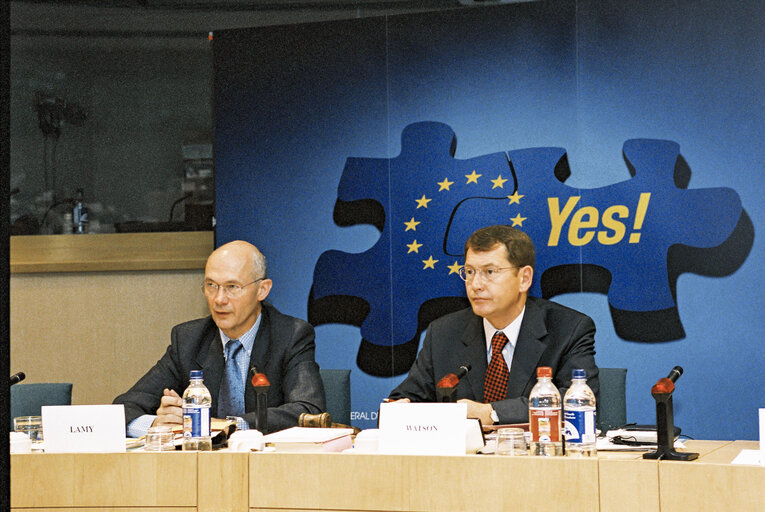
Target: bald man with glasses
[241, 333]
[505, 335]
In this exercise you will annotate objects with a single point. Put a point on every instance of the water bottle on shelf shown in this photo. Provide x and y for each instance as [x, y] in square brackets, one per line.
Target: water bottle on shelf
[80, 214]
[579, 417]
[196, 414]
[545, 415]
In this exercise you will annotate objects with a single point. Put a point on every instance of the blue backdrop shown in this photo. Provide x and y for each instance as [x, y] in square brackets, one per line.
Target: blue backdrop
[625, 139]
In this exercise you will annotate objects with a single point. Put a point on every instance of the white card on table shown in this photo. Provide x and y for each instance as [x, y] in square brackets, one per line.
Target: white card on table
[422, 429]
[83, 428]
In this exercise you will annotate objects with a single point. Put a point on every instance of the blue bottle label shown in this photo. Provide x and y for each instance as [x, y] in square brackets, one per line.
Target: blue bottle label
[196, 422]
[579, 426]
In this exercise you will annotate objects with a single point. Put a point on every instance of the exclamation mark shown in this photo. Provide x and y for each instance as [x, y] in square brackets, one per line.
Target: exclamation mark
[642, 208]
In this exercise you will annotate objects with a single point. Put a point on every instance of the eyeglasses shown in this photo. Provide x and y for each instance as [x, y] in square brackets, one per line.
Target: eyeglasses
[231, 290]
[467, 274]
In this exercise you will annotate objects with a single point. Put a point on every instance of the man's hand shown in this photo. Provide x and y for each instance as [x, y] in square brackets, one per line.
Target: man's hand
[478, 410]
[399, 401]
[170, 411]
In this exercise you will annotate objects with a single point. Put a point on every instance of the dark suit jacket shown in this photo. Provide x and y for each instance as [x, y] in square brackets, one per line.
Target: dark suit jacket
[284, 350]
[551, 335]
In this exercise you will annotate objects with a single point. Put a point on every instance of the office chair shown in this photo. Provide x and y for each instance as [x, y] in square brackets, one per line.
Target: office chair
[612, 406]
[28, 399]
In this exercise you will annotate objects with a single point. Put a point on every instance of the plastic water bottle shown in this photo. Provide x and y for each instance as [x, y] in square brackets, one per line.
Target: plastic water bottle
[545, 415]
[579, 417]
[80, 214]
[196, 414]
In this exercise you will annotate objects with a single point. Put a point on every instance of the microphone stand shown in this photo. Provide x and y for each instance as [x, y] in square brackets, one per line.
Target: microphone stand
[262, 385]
[665, 423]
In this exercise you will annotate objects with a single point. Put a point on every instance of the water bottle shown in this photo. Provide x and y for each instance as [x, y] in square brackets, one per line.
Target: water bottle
[80, 214]
[579, 417]
[196, 414]
[545, 415]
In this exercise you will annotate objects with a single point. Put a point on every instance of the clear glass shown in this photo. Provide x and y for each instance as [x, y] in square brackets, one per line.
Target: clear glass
[160, 439]
[511, 441]
[31, 426]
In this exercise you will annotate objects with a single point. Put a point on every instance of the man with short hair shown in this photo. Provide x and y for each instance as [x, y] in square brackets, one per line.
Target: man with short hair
[505, 335]
[251, 333]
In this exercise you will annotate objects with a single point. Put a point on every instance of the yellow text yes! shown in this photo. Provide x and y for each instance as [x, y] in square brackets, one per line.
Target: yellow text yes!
[587, 222]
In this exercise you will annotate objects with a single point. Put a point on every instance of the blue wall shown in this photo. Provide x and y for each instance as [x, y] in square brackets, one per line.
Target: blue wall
[300, 109]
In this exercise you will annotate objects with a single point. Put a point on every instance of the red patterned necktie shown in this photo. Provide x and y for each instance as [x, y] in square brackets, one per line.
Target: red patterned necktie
[495, 385]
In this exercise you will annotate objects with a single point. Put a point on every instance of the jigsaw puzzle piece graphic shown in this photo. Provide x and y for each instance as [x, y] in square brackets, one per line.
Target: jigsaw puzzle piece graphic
[626, 228]
[409, 259]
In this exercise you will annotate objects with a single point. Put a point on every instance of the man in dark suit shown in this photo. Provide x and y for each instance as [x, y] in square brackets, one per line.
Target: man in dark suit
[280, 346]
[504, 336]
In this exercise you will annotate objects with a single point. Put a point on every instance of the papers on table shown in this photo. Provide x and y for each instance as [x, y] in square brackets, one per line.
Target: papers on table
[749, 457]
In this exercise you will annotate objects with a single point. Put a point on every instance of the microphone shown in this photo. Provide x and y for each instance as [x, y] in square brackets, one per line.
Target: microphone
[447, 386]
[667, 384]
[451, 380]
[262, 385]
[675, 373]
[17, 377]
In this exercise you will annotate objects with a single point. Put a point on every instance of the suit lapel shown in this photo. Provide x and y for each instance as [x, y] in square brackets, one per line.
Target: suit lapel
[528, 350]
[473, 351]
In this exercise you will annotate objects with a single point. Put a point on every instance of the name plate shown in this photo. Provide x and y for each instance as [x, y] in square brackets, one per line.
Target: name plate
[83, 428]
[422, 429]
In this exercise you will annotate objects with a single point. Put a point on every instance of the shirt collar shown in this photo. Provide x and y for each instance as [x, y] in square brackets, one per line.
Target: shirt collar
[247, 339]
[511, 331]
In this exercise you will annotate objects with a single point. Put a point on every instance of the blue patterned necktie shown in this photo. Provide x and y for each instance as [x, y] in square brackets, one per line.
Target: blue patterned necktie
[231, 396]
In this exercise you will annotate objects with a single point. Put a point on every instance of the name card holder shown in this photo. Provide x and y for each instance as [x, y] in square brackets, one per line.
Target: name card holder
[422, 429]
[84, 428]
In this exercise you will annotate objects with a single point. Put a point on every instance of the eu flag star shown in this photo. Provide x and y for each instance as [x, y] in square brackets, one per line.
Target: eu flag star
[429, 263]
[412, 224]
[423, 201]
[413, 247]
[515, 198]
[518, 220]
[499, 182]
[444, 185]
[453, 269]
[473, 177]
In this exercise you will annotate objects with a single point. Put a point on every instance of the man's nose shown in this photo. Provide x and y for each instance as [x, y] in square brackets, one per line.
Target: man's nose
[220, 296]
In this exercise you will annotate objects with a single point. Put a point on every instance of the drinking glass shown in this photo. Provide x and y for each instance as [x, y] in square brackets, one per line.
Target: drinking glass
[511, 441]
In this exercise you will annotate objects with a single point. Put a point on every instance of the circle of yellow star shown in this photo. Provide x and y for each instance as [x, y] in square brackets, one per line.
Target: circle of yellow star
[412, 224]
[413, 247]
[473, 177]
[453, 269]
[518, 220]
[444, 185]
[429, 263]
[499, 182]
[515, 198]
[423, 201]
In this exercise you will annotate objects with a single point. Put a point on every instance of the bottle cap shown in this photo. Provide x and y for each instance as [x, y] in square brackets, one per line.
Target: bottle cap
[195, 374]
[578, 373]
[544, 371]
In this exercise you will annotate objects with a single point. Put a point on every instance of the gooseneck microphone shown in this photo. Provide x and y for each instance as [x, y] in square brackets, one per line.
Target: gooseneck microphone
[675, 373]
[262, 385]
[451, 380]
[447, 386]
[17, 377]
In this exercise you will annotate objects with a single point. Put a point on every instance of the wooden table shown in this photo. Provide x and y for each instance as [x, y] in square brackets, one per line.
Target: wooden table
[217, 481]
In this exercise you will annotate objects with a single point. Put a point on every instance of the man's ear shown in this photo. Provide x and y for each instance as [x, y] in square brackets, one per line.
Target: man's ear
[526, 274]
[264, 289]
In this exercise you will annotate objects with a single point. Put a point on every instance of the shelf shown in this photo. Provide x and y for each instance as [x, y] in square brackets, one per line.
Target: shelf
[110, 252]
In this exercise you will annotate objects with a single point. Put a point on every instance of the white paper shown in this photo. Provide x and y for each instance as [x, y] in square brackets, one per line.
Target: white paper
[84, 428]
[750, 457]
[422, 429]
[762, 436]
